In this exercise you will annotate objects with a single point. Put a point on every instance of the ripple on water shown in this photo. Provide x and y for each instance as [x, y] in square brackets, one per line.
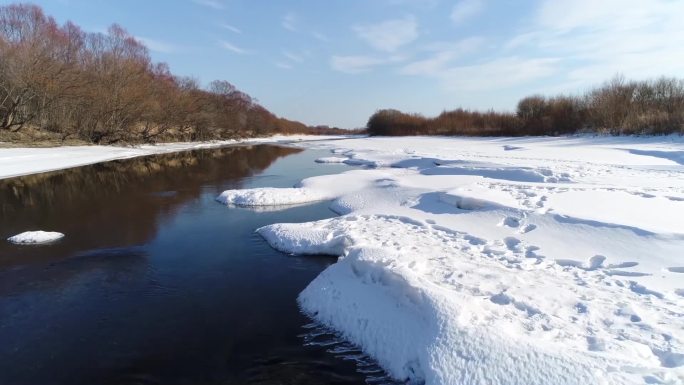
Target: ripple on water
[317, 335]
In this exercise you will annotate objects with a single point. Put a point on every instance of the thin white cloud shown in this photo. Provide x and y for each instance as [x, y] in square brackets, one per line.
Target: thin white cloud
[494, 73]
[215, 4]
[520, 40]
[498, 73]
[458, 46]
[464, 10]
[231, 28]
[231, 47]
[155, 45]
[389, 35]
[320, 36]
[430, 66]
[639, 38]
[283, 65]
[289, 21]
[356, 64]
[441, 55]
[299, 58]
[423, 4]
[605, 14]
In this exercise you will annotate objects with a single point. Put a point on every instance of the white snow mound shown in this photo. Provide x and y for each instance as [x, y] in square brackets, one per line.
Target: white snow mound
[268, 196]
[314, 189]
[35, 237]
[437, 306]
[331, 159]
[477, 197]
[503, 260]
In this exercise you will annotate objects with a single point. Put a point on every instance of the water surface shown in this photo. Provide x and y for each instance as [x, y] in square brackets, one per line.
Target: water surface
[155, 282]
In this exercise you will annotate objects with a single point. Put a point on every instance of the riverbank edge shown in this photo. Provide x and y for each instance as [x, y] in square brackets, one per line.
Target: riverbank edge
[22, 161]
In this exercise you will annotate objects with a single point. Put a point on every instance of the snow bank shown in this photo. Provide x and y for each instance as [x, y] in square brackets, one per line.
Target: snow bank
[434, 305]
[309, 190]
[503, 260]
[348, 161]
[331, 159]
[35, 237]
[24, 161]
[638, 210]
[478, 197]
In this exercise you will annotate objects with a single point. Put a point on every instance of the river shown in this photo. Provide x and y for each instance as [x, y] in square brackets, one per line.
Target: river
[155, 282]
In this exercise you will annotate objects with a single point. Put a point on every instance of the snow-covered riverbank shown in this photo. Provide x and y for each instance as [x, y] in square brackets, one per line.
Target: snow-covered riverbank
[23, 161]
[500, 260]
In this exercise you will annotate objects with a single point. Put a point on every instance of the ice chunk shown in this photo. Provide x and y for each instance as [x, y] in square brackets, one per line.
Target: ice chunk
[269, 196]
[35, 237]
[314, 189]
[331, 159]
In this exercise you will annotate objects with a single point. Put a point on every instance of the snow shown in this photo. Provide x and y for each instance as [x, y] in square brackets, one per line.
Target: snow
[35, 237]
[271, 196]
[501, 260]
[331, 159]
[309, 190]
[645, 211]
[24, 161]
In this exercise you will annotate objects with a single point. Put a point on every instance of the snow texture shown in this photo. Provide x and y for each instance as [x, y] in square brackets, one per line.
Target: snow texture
[35, 237]
[331, 159]
[502, 260]
[268, 196]
[309, 190]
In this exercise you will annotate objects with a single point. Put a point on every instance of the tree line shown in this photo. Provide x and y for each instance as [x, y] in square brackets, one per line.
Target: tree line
[617, 107]
[104, 88]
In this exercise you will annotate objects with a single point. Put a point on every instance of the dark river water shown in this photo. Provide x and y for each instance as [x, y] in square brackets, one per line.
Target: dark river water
[155, 282]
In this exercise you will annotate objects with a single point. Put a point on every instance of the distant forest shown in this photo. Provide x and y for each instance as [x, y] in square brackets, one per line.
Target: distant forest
[618, 107]
[60, 81]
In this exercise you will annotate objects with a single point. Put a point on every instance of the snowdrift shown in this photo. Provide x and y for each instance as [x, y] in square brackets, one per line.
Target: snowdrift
[500, 260]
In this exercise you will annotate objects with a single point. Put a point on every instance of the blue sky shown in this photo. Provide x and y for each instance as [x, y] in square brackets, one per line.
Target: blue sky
[335, 62]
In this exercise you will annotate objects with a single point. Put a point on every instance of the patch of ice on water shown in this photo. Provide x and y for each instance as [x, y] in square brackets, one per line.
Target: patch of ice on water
[270, 196]
[331, 159]
[35, 237]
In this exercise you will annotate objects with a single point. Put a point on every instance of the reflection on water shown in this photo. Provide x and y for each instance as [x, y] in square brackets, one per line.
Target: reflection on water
[119, 202]
[154, 281]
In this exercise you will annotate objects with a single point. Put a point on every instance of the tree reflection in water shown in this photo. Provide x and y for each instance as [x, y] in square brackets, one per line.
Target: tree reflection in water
[155, 282]
[118, 202]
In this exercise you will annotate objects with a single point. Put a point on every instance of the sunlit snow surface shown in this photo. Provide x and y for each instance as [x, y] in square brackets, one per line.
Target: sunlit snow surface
[35, 237]
[501, 261]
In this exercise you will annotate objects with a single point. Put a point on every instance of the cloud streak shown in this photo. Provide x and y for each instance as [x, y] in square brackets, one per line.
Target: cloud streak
[211, 4]
[293, 56]
[465, 10]
[155, 45]
[356, 64]
[320, 37]
[289, 21]
[283, 65]
[232, 47]
[441, 55]
[231, 28]
[388, 35]
[599, 39]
